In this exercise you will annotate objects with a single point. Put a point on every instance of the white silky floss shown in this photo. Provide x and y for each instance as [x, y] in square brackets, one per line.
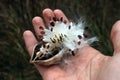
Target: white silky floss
[61, 39]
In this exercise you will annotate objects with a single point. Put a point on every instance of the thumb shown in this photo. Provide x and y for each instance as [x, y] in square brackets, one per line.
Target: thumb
[115, 37]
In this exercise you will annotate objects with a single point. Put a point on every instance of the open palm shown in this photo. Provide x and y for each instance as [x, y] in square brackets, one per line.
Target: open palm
[87, 64]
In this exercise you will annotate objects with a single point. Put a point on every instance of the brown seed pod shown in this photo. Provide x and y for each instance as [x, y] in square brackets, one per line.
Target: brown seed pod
[46, 59]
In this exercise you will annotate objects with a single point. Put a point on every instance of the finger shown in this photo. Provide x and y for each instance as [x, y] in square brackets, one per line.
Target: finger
[30, 41]
[115, 37]
[59, 14]
[38, 27]
[48, 15]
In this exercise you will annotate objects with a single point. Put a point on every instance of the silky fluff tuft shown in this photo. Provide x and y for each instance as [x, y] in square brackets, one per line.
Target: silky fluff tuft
[60, 38]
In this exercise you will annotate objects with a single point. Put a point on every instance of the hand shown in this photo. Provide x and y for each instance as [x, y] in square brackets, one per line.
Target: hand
[87, 64]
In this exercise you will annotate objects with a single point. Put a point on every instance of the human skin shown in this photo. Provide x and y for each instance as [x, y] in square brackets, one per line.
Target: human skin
[87, 64]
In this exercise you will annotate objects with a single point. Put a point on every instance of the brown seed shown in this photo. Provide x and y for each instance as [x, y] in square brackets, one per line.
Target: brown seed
[65, 21]
[54, 19]
[86, 35]
[51, 29]
[69, 49]
[65, 35]
[61, 19]
[86, 28]
[41, 28]
[61, 35]
[48, 46]
[52, 24]
[69, 27]
[42, 32]
[79, 42]
[44, 45]
[56, 36]
[73, 53]
[79, 36]
[61, 38]
[40, 37]
[53, 40]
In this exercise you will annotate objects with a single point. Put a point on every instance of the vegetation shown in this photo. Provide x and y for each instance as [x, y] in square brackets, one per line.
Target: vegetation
[16, 16]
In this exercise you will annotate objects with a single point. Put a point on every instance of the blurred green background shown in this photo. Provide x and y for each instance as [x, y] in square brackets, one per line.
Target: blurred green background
[16, 17]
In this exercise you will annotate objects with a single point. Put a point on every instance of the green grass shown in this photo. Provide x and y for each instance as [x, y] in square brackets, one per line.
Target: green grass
[16, 17]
